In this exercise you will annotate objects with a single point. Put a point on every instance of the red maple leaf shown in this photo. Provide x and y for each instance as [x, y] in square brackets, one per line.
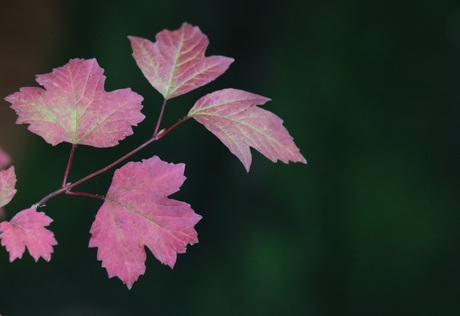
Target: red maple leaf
[136, 213]
[27, 229]
[74, 107]
[175, 64]
[232, 115]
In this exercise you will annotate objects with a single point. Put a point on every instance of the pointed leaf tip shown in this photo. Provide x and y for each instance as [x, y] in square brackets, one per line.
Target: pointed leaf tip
[232, 116]
[176, 64]
[73, 106]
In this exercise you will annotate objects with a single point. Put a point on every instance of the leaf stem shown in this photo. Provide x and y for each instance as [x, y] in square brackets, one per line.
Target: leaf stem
[160, 117]
[69, 164]
[96, 196]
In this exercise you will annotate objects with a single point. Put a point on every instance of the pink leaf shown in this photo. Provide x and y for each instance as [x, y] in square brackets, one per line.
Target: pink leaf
[232, 115]
[7, 186]
[137, 213]
[74, 107]
[26, 229]
[4, 159]
[176, 64]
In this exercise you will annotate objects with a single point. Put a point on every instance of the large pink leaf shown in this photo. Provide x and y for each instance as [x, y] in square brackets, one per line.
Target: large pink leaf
[4, 159]
[232, 115]
[175, 64]
[27, 229]
[75, 108]
[136, 213]
[7, 186]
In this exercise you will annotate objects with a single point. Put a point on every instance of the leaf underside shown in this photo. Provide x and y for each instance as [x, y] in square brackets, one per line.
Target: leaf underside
[136, 213]
[27, 229]
[175, 64]
[232, 116]
[73, 107]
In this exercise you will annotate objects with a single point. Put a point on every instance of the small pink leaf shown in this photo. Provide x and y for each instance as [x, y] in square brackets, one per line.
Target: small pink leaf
[232, 115]
[4, 159]
[74, 107]
[176, 64]
[7, 186]
[27, 229]
[136, 213]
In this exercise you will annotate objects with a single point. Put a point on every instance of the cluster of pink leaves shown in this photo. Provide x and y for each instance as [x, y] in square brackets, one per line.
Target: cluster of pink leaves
[73, 107]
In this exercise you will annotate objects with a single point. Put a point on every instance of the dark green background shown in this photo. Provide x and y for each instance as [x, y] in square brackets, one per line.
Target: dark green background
[370, 91]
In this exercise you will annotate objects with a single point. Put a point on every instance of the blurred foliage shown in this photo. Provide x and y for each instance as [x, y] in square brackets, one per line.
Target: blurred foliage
[370, 92]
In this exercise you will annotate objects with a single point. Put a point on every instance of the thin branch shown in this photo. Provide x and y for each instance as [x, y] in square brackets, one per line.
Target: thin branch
[110, 166]
[48, 197]
[69, 164]
[160, 117]
[164, 132]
